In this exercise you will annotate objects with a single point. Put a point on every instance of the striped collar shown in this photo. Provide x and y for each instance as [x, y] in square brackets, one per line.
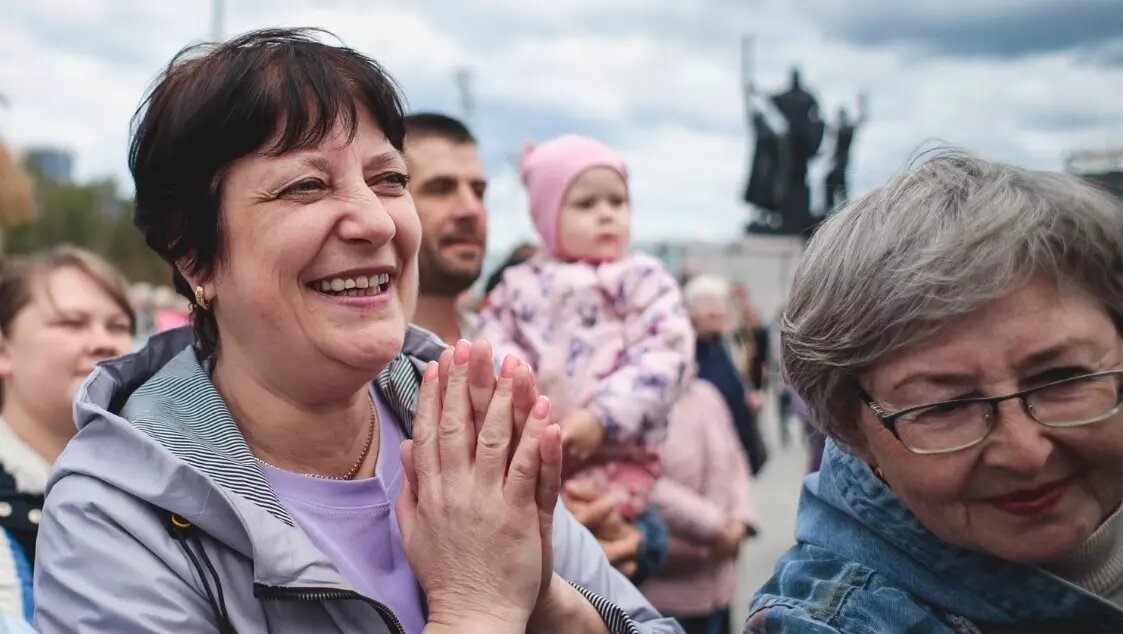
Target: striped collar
[180, 409]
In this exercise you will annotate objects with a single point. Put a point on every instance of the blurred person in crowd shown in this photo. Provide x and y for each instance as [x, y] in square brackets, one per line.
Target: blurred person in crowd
[956, 332]
[61, 311]
[708, 298]
[816, 439]
[749, 345]
[704, 495]
[604, 328]
[447, 184]
[752, 333]
[265, 444]
[170, 310]
[140, 298]
[783, 392]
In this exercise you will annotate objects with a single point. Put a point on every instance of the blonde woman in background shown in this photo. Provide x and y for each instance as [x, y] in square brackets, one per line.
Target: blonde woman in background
[61, 311]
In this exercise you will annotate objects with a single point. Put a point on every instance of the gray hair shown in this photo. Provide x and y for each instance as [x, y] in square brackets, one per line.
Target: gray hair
[703, 287]
[929, 245]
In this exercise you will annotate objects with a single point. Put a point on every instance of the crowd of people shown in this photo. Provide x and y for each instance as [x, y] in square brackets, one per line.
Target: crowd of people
[322, 428]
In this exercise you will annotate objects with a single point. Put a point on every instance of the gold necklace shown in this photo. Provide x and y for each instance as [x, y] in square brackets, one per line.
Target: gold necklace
[354, 470]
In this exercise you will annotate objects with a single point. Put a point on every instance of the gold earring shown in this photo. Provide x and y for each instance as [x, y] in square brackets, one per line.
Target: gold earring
[880, 475]
[201, 298]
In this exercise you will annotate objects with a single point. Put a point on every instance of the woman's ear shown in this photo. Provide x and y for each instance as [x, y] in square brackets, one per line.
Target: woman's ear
[851, 432]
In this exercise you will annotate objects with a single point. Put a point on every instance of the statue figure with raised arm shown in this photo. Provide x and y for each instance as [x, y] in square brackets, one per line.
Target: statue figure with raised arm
[836, 189]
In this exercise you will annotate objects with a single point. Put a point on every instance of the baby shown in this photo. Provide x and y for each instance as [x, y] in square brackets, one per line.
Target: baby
[604, 329]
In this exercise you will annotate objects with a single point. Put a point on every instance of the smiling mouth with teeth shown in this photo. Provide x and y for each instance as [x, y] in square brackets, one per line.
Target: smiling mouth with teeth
[363, 286]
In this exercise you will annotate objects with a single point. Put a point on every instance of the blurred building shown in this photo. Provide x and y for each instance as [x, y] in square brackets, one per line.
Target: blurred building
[52, 163]
[1101, 167]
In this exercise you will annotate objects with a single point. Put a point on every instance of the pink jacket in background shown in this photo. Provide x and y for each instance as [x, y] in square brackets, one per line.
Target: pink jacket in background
[705, 481]
[614, 338]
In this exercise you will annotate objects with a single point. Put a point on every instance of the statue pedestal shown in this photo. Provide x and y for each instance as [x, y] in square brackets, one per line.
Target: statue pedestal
[792, 219]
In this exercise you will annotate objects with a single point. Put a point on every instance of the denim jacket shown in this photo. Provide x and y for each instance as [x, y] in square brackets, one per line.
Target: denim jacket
[863, 563]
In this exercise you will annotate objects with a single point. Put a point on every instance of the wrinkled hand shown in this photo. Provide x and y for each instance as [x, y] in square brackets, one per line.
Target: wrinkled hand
[481, 387]
[596, 511]
[727, 543]
[582, 435]
[471, 510]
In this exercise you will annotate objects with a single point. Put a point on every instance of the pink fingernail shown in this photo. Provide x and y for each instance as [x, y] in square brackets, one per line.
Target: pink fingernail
[541, 408]
[463, 351]
[507, 370]
[430, 372]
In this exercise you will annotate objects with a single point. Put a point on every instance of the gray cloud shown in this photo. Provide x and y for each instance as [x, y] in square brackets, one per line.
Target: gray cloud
[657, 79]
[1063, 120]
[1107, 54]
[1002, 29]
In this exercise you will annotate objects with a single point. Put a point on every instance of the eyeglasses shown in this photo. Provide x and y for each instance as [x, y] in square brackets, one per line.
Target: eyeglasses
[949, 426]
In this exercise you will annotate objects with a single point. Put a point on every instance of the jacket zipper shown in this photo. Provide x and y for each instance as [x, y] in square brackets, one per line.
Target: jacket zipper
[277, 593]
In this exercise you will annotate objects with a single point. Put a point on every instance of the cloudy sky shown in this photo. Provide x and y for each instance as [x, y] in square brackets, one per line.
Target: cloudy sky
[1025, 81]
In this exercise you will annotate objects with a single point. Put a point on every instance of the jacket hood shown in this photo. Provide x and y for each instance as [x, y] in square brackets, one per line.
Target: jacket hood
[152, 425]
[846, 509]
[154, 436]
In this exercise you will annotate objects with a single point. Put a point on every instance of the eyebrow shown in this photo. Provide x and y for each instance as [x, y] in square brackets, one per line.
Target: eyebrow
[316, 161]
[283, 169]
[384, 159]
[1075, 344]
[66, 313]
[438, 178]
[322, 163]
[939, 378]
[450, 179]
[1033, 360]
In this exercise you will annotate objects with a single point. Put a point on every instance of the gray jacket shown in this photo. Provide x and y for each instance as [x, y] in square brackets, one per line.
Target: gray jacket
[158, 519]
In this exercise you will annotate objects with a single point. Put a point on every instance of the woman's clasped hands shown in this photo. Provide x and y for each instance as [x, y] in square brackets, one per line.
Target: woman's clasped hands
[476, 512]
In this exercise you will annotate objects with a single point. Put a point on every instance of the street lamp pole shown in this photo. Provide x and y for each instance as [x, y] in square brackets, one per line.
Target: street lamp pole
[216, 20]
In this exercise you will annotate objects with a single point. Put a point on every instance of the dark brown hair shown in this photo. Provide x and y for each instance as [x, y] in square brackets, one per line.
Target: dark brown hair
[426, 124]
[270, 91]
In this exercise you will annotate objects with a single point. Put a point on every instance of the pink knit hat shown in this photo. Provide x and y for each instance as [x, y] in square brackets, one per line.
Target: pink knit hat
[549, 169]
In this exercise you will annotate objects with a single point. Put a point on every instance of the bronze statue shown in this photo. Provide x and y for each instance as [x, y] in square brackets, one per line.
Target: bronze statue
[778, 180]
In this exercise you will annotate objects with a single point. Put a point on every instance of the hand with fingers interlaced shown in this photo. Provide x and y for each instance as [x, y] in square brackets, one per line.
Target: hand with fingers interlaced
[476, 513]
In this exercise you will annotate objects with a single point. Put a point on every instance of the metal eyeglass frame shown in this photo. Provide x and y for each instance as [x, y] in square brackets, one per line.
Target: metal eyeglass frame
[889, 419]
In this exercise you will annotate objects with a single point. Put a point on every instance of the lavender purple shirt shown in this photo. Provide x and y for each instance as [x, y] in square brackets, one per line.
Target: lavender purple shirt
[353, 523]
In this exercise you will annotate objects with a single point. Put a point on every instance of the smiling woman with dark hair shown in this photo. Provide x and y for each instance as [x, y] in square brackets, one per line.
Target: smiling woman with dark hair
[303, 463]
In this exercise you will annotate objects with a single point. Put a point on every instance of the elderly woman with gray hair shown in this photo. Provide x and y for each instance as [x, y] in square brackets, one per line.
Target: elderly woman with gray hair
[957, 334]
[707, 298]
